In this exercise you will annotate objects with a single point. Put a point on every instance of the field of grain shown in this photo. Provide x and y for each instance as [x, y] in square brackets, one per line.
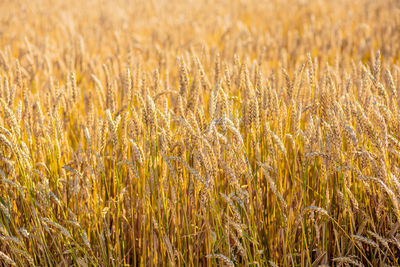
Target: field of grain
[199, 133]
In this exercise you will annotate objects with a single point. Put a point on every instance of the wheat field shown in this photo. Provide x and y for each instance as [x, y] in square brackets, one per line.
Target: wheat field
[199, 133]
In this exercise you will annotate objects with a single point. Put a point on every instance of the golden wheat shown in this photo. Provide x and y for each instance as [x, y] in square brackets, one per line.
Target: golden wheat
[199, 133]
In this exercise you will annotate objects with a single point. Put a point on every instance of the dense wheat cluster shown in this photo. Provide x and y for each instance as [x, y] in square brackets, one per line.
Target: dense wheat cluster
[198, 133]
